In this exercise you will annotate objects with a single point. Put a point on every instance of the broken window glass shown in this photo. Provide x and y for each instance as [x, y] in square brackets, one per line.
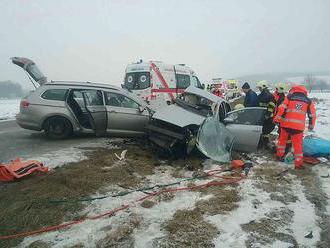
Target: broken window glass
[214, 140]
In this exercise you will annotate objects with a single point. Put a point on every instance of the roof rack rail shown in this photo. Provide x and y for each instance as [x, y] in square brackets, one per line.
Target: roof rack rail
[69, 81]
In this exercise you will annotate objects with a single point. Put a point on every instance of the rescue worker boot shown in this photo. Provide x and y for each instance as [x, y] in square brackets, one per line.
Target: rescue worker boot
[265, 142]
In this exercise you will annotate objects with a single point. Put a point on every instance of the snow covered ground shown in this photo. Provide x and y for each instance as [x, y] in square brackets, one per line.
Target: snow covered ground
[8, 108]
[273, 211]
[322, 128]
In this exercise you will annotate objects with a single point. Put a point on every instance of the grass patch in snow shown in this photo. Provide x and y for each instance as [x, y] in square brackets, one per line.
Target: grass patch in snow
[25, 203]
[187, 228]
[122, 235]
[265, 230]
[222, 200]
[273, 179]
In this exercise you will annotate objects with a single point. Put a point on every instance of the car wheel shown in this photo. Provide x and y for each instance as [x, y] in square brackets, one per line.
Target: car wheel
[58, 128]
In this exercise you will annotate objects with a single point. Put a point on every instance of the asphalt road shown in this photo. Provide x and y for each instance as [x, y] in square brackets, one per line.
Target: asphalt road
[18, 142]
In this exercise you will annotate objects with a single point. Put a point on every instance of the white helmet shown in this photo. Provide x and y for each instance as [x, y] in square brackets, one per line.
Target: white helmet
[262, 84]
[281, 87]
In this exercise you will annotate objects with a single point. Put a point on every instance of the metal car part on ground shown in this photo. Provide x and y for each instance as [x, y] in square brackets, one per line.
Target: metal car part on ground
[175, 127]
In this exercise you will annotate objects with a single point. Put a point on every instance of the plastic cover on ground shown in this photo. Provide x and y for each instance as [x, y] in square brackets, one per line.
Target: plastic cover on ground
[214, 140]
[316, 147]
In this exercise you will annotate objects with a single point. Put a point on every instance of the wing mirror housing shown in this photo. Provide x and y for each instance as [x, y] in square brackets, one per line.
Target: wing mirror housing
[228, 120]
[141, 109]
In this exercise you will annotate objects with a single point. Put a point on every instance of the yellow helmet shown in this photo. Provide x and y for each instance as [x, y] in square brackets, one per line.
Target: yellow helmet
[262, 84]
[281, 87]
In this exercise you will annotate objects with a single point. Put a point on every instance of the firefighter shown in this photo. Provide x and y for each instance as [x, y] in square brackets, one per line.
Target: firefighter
[266, 100]
[292, 118]
[217, 91]
[279, 96]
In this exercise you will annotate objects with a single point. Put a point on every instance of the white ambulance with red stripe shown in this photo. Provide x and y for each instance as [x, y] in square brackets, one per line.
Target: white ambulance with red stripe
[159, 83]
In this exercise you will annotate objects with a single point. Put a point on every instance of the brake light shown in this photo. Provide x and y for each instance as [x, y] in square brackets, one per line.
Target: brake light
[25, 103]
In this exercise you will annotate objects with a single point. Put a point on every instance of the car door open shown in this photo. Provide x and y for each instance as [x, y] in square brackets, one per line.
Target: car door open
[96, 109]
[246, 125]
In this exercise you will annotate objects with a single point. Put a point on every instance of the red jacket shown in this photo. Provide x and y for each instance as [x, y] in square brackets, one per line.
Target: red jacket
[292, 112]
[217, 92]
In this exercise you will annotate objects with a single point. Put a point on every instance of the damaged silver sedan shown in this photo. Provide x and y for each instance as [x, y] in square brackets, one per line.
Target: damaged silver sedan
[180, 126]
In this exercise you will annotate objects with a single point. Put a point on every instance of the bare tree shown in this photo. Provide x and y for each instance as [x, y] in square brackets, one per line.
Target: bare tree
[321, 84]
[310, 82]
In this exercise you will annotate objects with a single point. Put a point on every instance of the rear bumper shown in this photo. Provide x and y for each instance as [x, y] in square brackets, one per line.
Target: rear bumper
[23, 123]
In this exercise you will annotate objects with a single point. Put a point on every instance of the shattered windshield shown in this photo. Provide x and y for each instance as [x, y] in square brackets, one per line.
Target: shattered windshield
[137, 80]
[196, 102]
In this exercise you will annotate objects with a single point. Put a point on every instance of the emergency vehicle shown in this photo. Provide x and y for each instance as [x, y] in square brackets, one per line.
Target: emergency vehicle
[157, 82]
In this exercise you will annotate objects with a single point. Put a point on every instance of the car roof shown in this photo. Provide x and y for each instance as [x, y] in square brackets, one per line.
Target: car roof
[203, 93]
[83, 84]
[96, 85]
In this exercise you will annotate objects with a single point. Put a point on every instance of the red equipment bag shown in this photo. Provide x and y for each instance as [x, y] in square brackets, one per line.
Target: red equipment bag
[311, 160]
[17, 169]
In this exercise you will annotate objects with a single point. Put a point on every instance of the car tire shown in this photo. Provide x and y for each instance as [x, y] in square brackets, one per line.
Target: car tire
[58, 128]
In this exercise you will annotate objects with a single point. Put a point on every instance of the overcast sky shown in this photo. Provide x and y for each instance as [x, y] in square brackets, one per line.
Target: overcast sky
[95, 40]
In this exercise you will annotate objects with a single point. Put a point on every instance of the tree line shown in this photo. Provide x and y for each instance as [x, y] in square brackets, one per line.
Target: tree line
[9, 89]
[314, 83]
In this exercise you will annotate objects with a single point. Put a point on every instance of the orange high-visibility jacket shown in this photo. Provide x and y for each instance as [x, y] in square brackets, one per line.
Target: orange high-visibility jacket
[292, 112]
[276, 96]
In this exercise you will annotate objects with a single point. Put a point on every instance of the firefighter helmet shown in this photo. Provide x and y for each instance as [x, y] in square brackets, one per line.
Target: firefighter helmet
[262, 84]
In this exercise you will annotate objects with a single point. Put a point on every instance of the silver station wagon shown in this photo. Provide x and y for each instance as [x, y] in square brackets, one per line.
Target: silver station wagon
[61, 108]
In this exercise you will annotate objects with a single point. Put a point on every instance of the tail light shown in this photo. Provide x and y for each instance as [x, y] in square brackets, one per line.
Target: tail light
[25, 104]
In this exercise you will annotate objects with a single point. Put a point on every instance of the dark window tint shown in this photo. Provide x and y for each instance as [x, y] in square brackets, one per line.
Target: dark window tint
[55, 94]
[183, 81]
[248, 116]
[117, 100]
[137, 80]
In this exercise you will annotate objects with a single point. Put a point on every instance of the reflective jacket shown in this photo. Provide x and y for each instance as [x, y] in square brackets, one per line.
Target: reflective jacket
[292, 112]
[266, 100]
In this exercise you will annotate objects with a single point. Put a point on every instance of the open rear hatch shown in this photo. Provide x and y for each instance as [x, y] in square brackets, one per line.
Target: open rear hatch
[30, 67]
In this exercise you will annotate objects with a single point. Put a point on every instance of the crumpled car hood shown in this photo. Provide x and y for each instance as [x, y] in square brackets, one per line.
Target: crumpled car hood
[178, 116]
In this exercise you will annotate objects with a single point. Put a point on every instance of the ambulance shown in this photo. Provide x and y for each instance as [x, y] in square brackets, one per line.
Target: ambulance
[159, 83]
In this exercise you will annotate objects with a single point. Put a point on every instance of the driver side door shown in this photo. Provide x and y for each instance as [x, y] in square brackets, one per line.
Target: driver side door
[124, 115]
[246, 125]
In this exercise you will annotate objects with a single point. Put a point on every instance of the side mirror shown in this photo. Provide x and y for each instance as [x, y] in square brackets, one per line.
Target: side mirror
[123, 86]
[228, 120]
[203, 86]
[141, 109]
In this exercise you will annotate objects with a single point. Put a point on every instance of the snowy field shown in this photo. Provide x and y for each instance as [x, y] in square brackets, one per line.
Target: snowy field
[276, 207]
[8, 108]
[322, 128]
